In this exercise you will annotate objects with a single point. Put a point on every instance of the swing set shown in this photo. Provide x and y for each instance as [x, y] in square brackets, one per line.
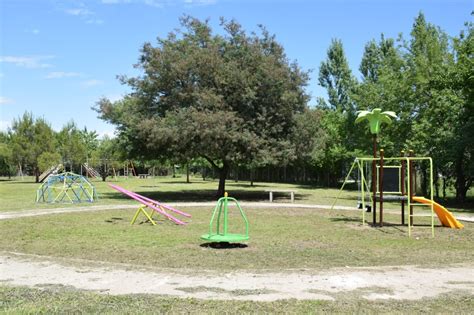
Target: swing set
[394, 179]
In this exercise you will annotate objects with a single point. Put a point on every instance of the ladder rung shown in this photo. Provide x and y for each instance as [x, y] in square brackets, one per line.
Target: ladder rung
[420, 204]
[421, 215]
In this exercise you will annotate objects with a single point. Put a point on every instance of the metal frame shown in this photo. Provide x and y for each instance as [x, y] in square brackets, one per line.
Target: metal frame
[221, 234]
[66, 187]
[360, 163]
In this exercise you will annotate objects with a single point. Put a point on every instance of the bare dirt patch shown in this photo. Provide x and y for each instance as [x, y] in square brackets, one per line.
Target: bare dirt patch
[374, 283]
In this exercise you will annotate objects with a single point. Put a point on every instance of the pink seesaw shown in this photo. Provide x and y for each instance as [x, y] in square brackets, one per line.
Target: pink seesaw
[154, 205]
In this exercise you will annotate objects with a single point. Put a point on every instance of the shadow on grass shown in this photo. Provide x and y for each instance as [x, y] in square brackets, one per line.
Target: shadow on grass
[223, 245]
[345, 219]
[247, 185]
[12, 182]
[114, 219]
[198, 195]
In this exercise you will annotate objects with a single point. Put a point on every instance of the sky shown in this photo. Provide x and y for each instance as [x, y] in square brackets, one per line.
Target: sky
[59, 57]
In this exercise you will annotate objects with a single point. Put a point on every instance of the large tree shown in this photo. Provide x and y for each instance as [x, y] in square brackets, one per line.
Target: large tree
[6, 155]
[90, 141]
[228, 98]
[106, 157]
[384, 85]
[71, 145]
[428, 82]
[339, 111]
[460, 78]
[30, 138]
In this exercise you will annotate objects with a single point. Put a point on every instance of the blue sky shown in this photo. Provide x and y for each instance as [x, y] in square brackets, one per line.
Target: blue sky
[58, 57]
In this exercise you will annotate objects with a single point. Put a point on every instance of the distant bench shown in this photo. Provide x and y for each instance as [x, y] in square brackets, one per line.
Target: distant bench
[143, 175]
[291, 192]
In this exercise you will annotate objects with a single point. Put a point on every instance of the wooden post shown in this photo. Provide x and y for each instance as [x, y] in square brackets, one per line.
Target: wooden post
[374, 183]
[381, 187]
[402, 186]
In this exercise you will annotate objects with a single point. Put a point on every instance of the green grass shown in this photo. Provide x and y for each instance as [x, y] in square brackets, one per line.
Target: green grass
[19, 300]
[279, 239]
[20, 195]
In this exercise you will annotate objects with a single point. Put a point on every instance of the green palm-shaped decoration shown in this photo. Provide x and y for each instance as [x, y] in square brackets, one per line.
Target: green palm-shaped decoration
[376, 117]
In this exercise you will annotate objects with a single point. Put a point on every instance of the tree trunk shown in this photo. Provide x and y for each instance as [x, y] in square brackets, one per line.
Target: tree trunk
[374, 184]
[437, 188]
[444, 187]
[424, 181]
[37, 175]
[104, 172]
[436, 183]
[187, 172]
[223, 172]
[461, 188]
[251, 177]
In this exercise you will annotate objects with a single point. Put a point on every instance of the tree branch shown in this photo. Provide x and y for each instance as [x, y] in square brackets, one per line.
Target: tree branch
[211, 161]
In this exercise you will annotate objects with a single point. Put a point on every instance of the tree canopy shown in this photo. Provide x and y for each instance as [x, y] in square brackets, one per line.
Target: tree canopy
[228, 98]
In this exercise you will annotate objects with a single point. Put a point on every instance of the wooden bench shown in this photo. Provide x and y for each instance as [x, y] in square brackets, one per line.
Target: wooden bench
[143, 175]
[291, 192]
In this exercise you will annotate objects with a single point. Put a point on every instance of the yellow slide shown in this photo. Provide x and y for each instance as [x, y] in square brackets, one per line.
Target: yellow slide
[446, 217]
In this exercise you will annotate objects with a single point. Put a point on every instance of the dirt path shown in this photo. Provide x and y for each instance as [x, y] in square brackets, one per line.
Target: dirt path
[36, 212]
[407, 282]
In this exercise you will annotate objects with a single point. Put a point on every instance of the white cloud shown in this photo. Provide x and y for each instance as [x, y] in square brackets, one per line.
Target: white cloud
[83, 13]
[95, 21]
[115, 1]
[154, 3]
[79, 12]
[30, 62]
[4, 125]
[162, 3]
[62, 74]
[92, 82]
[4, 100]
[200, 2]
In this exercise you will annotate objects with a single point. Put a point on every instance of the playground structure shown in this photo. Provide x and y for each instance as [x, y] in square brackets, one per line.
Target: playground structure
[128, 169]
[153, 205]
[222, 234]
[395, 180]
[66, 187]
[50, 171]
[90, 171]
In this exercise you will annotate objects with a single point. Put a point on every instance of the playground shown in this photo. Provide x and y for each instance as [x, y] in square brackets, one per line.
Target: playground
[53, 250]
[230, 157]
[135, 240]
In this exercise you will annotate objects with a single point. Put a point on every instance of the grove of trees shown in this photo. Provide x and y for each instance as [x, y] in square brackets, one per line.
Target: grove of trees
[31, 146]
[235, 101]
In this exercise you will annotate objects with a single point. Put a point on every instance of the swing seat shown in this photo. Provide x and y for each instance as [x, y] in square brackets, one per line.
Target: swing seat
[229, 238]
